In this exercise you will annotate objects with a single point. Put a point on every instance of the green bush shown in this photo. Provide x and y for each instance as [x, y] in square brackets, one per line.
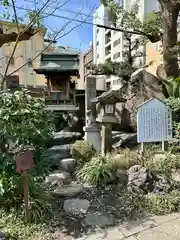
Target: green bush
[15, 228]
[98, 171]
[135, 203]
[163, 203]
[165, 165]
[82, 151]
[22, 123]
[125, 159]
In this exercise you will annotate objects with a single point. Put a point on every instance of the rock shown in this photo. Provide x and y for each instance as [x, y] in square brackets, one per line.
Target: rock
[61, 138]
[120, 139]
[67, 164]
[98, 219]
[76, 206]
[59, 152]
[161, 186]
[70, 190]
[176, 176]
[141, 179]
[58, 178]
[60, 148]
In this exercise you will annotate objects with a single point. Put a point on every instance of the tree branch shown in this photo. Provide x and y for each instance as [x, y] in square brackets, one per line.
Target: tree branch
[56, 38]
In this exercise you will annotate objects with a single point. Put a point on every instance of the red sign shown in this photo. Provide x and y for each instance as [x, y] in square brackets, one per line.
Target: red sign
[24, 161]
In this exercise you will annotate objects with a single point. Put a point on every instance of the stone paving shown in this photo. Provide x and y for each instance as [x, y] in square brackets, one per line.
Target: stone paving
[150, 228]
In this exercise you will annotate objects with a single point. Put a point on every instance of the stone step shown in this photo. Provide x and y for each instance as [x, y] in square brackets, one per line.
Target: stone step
[61, 149]
[59, 152]
[60, 138]
[67, 164]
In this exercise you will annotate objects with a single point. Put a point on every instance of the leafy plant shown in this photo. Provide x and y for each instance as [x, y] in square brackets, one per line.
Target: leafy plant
[165, 165]
[22, 125]
[22, 119]
[14, 227]
[125, 159]
[163, 203]
[82, 151]
[99, 170]
[172, 86]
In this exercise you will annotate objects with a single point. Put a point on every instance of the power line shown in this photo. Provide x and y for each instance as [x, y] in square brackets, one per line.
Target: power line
[85, 22]
[82, 14]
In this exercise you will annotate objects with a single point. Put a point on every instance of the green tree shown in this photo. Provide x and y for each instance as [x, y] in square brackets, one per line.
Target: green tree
[157, 26]
[131, 43]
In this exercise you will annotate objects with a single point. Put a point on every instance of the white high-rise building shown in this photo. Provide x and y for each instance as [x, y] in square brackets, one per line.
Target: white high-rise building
[108, 44]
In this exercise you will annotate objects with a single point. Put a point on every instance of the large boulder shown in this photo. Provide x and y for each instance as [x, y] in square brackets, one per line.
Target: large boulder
[62, 150]
[141, 179]
[124, 140]
[61, 138]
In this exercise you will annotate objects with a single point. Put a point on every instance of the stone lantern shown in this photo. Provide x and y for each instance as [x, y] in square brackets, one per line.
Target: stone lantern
[108, 102]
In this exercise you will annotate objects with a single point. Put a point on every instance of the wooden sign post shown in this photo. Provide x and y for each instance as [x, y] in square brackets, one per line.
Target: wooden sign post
[24, 162]
[154, 123]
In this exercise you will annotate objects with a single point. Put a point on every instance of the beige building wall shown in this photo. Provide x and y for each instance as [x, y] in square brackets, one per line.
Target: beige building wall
[25, 51]
[153, 54]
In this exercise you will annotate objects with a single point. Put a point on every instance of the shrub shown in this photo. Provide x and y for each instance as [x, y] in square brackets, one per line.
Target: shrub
[15, 228]
[99, 170]
[135, 203]
[82, 151]
[165, 165]
[163, 203]
[22, 119]
[125, 159]
[22, 123]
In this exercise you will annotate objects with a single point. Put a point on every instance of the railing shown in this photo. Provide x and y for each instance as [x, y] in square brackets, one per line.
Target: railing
[57, 98]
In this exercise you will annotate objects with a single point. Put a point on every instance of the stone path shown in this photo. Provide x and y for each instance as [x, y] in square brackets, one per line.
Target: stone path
[150, 228]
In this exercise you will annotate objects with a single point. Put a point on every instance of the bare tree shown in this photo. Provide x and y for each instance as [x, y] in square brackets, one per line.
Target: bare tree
[23, 32]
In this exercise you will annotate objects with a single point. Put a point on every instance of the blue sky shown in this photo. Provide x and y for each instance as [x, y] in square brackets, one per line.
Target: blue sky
[81, 36]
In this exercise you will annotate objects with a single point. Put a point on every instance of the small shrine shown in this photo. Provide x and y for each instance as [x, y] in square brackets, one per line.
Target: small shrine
[61, 69]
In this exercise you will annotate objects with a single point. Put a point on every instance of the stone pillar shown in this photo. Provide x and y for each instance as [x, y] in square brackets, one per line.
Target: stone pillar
[92, 130]
[106, 145]
[90, 93]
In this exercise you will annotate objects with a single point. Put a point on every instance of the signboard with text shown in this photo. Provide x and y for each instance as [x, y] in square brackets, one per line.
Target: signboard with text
[154, 121]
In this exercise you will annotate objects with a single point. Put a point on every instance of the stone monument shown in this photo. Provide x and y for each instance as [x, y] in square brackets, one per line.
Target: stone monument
[91, 129]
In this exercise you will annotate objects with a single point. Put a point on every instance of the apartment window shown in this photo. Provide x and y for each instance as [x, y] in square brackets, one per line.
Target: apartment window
[97, 43]
[108, 86]
[108, 37]
[97, 30]
[12, 61]
[108, 50]
[98, 56]
[117, 81]
[117, 42]
[116, 55]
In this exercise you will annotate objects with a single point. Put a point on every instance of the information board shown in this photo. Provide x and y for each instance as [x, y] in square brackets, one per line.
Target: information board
[154, 121]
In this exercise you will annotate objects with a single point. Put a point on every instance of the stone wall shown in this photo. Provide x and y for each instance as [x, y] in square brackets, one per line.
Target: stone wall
[141, 87]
